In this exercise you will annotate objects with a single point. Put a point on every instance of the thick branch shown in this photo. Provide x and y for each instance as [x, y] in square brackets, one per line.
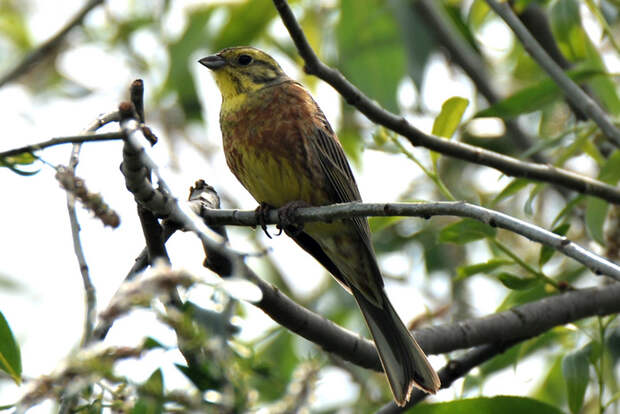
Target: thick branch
[520, 323]
[508, 165]
[571, 90]
[596, 263]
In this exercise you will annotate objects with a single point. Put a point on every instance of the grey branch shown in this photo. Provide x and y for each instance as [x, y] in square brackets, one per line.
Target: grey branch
[78, 139]
[69, 401]
[508, 165]
[89, 288]
[599, 265]
[573, 92]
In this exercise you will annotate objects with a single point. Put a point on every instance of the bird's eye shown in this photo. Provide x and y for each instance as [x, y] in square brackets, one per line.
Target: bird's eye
[244, 60]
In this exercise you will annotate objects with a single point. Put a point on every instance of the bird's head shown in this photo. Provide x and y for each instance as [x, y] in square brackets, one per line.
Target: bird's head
[241, 70]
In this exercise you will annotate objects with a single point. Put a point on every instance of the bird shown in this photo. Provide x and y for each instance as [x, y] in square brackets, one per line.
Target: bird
[281, 147]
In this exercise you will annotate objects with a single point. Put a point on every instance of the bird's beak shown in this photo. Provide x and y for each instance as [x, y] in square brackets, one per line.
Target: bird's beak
[213, 62]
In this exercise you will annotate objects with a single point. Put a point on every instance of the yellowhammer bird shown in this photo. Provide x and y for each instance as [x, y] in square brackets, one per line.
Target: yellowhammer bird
[279, 144]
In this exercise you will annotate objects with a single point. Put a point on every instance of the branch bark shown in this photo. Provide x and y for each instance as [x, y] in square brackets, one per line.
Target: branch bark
[599, 265]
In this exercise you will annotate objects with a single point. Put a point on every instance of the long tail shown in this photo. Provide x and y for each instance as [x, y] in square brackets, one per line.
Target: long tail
[402, 358]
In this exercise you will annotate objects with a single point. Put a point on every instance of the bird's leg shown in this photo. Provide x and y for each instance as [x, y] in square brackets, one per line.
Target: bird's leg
[261, 216]
[286, 214]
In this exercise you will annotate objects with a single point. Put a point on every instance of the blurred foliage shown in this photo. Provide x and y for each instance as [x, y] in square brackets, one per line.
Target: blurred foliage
[10, 356]
[389, 51]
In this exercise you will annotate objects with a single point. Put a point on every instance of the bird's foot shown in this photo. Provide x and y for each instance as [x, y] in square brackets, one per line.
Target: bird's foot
[261, 213]
[286, 214]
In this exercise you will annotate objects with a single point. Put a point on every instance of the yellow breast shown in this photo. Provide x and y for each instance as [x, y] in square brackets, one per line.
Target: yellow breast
[266, 145]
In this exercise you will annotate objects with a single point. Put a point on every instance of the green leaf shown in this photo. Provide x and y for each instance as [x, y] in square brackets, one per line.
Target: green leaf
[151, 343]
[10, 355]
[449, 118]
[612, 342]
[512, 188]
[552, 389]
[370, 48]
[539, 291]
[280, 360]
[379, 223]
[465, 231]
[535, 97]
[204, 377]
[596, 213]
[515, 282]
[501, 404]
[596, 209]
[144, 406]
[566, 25]
[546, 252]
[567, 209]
[154, 385]
[454, 14]
[610, 171]
[25, 158]
[528, 206]
[576, 371]
[478, 13]
[484, 267]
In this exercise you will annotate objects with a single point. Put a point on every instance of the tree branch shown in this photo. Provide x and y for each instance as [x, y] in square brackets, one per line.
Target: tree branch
[571, 90]
[36, 55]
[508, 165]
[68, 401]
[78, 139]
[599, 265]
[89, 288]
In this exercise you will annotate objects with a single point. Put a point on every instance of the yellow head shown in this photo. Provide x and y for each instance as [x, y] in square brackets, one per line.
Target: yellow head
[241, 70]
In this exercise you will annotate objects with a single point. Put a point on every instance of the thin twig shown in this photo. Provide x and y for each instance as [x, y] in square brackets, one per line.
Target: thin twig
[108, 136]
[68, 402]
[89, 288]
[508, 165]
[37, 55]
[599, 265]
[573, 92]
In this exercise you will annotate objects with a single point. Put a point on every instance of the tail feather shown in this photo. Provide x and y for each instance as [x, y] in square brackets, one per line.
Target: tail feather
[403, 360]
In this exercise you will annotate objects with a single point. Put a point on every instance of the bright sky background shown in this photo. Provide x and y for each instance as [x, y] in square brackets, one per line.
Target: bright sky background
[46, 313]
